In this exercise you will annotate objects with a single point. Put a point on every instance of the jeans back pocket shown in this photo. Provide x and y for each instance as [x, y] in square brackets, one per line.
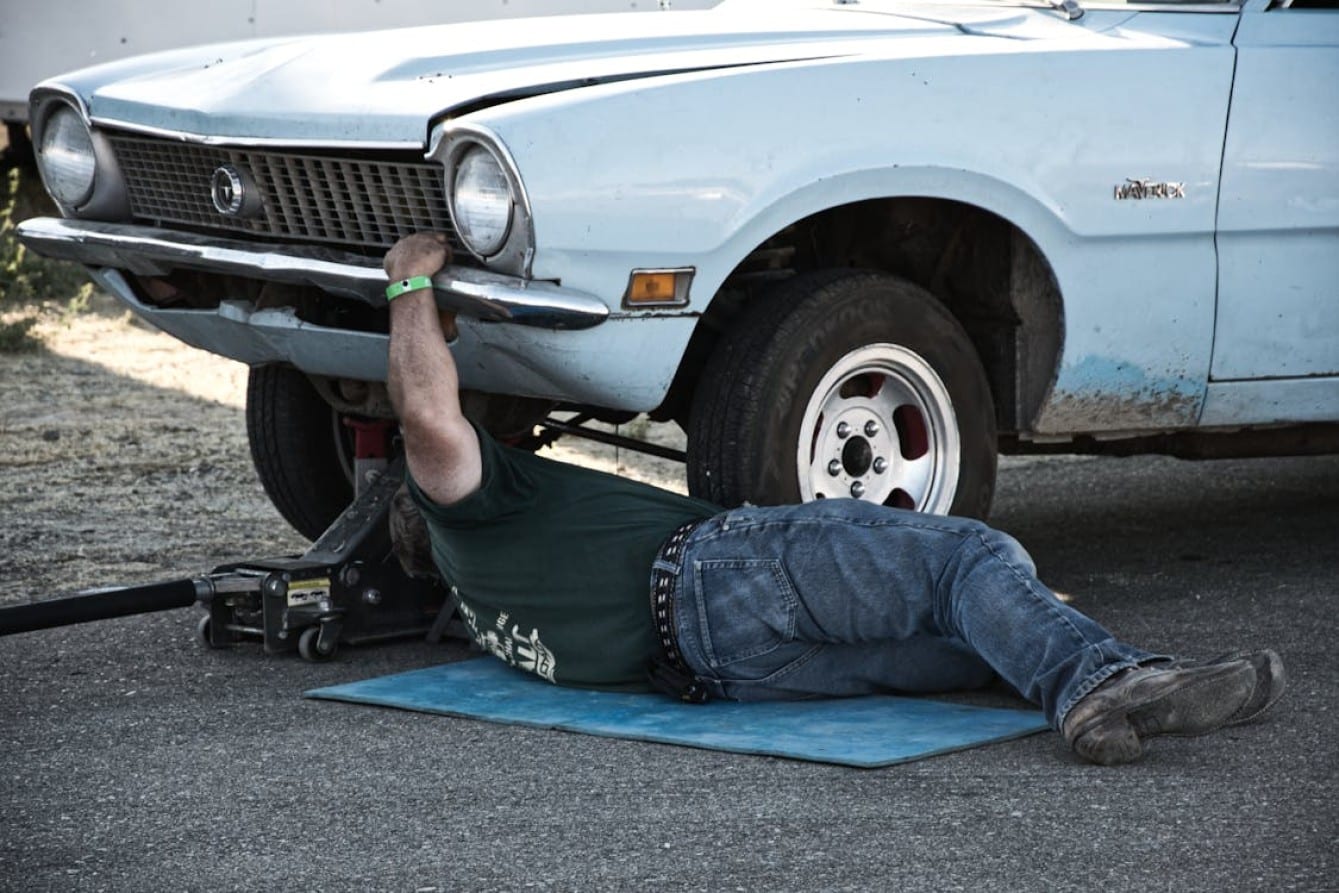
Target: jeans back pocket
[746, 607]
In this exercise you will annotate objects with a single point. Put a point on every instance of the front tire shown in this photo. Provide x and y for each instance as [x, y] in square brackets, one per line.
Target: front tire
[300, 448]
[843, 383]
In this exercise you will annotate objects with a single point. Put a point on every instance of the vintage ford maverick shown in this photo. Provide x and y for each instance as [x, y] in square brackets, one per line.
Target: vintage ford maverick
[855, 249]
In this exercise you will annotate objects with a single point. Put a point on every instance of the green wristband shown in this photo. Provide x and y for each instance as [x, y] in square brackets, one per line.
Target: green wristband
[413, 283]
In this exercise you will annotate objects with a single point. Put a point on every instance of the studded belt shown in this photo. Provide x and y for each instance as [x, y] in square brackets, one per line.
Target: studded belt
[669, 673]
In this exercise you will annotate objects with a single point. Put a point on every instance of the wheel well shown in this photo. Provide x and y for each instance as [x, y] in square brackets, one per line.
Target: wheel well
[985, 270]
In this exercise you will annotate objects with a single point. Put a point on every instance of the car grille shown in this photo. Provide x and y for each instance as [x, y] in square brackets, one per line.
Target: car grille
[352, 202]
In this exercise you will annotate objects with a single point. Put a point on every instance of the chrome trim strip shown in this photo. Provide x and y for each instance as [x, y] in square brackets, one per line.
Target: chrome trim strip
[39, 110]
[254, 141]
[150, 251]
[44, 92]
[461, 130]
[449, 141]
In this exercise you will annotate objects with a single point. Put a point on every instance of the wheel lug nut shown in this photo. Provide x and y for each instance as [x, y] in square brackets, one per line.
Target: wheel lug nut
[880, 465]
[857, 489]
[834, 467]
[843, 430]
[871, 428]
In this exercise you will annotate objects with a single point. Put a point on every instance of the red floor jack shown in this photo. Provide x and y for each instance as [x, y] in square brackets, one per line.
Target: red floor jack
[348, 588]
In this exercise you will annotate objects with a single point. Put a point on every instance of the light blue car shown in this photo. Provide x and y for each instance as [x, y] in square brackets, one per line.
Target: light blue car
[854, 248]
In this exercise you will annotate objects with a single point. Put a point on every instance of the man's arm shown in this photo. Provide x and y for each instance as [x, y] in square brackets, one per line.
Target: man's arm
[441, 447]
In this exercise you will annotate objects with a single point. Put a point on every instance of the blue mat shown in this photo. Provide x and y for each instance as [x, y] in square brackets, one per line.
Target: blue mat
[865, 732]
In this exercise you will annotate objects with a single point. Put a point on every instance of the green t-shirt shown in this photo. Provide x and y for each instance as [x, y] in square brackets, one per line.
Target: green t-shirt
[552, 565]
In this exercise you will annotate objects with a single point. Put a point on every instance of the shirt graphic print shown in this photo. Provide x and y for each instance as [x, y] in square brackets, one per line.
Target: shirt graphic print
[523, 652]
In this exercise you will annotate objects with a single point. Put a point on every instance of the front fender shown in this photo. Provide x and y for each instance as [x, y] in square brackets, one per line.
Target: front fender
[697, 170]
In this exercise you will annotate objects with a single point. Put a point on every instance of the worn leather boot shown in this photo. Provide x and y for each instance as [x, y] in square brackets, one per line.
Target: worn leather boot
[1109, 725]
[1270, 680]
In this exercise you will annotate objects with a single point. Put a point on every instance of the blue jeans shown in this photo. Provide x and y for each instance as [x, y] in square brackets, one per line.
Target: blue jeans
[841, 597]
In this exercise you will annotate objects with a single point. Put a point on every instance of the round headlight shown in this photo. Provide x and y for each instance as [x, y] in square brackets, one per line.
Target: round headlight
[66, 157]
[482, 201]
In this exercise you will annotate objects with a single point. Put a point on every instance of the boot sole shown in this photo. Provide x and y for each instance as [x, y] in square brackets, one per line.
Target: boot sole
[1195, 709]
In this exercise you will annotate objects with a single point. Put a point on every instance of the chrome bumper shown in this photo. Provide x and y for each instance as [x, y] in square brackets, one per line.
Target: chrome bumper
[150, 251]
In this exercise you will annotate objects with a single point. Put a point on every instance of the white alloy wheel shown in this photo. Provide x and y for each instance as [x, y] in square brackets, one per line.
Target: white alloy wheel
[882, 429]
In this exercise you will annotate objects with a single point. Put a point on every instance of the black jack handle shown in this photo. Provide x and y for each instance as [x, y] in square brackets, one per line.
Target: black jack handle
[103, 604]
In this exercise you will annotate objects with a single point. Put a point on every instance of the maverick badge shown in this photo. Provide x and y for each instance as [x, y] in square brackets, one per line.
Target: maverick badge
[1143, 188]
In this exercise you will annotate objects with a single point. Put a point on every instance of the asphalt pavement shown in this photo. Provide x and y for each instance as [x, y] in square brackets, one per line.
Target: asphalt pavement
[132, 759]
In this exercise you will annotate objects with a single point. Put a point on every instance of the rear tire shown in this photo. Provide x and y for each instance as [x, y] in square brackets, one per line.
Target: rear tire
[841, 383]
[300, 448]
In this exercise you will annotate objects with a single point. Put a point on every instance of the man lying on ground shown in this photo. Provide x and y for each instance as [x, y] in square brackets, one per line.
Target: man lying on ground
[591, 580]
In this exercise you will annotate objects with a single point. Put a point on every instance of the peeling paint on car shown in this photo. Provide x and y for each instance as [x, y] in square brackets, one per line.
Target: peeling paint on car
[1104, 393]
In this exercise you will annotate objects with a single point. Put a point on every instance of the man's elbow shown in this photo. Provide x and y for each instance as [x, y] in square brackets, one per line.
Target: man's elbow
[433, 432]
[421, 422]
[443, 455]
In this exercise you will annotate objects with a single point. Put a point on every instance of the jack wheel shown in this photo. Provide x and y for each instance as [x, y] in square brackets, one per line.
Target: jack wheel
[203, 631]
[309, 646]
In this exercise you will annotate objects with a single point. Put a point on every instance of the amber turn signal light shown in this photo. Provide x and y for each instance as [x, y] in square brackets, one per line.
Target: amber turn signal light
[658, 288]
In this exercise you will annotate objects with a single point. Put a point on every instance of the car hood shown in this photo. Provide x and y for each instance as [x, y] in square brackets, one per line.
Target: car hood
[384, 87]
